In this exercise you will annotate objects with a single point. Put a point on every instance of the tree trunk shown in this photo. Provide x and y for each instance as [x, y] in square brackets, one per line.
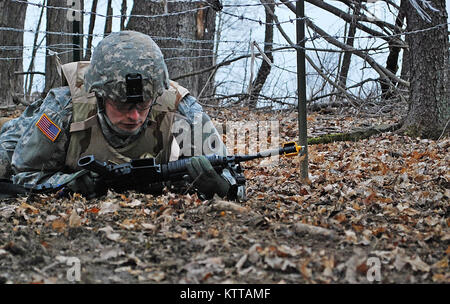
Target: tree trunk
[264, 69]
[405, 73]
[29, 78]
[12, 15]
[394, 52]
[429, 107]
[57, 22]
[348, 55]
[108, 22]
[182, 56]
[123, 12]
[91, 30]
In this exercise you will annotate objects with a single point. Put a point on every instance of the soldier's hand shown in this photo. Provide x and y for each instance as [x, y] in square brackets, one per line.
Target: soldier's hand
[87, 184]
[205, 178]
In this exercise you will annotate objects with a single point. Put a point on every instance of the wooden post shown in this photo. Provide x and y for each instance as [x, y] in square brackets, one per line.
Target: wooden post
[301, 86]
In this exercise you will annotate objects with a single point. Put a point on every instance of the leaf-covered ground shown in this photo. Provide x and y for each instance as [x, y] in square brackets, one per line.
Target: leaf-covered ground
[376, 210]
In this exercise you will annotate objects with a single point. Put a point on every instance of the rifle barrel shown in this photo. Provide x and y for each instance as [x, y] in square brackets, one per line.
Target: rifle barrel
[288, 149]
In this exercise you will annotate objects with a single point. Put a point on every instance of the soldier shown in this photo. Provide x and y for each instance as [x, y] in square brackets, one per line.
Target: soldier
[118, 107]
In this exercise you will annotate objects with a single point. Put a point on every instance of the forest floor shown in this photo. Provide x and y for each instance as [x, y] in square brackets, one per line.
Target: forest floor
[372, 211]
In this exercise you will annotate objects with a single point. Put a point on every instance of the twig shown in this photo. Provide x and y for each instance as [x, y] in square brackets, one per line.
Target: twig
[443, 131]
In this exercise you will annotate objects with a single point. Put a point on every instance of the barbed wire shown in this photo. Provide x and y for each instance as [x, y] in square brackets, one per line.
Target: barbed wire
[405, 33]
[232, 5]
[69, 50]
[157, 38]
[167, 14]
[70, 46]
[254, 4]
[29, 57]
[223, 52]
[84, 12]
[240, 17]
[187, 40]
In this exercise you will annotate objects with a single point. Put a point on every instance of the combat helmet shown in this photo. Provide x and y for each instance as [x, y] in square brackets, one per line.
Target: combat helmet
[127, 66]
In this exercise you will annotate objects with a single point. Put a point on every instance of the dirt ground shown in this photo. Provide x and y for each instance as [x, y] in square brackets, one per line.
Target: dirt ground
[373, 211]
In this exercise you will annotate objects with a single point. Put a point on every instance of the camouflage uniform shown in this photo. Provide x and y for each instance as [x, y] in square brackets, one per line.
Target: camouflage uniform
[34, 146]
[28, 156]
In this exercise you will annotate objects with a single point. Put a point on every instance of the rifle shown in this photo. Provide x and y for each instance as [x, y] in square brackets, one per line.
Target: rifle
[148, 176]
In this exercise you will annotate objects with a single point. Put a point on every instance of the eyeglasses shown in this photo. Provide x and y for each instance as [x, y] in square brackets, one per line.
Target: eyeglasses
[127, 107]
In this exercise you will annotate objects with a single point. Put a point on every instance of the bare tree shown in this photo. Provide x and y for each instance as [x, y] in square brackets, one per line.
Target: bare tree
[348, 55]
[108, 22]
[91, 30]
[264, 69]
[359, 19]
[427, 62]
[12, 15]
[123, 12]
[29, 77]
[394, 53]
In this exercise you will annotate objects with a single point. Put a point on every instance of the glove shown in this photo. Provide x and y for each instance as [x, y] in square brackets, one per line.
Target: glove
[86, 183]
[205, 178]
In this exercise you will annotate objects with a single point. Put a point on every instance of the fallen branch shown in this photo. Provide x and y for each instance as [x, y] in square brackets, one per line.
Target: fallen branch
[353, 136]
[221, 205]
[315, 230]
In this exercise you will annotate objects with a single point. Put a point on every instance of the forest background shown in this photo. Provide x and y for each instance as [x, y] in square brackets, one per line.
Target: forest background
[375, 207]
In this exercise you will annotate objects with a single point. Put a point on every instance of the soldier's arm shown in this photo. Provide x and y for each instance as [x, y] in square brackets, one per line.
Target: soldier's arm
[8, 140]
[211, 139]
[41, 140]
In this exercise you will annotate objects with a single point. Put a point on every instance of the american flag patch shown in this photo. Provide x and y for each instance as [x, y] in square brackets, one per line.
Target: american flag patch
[48, 127]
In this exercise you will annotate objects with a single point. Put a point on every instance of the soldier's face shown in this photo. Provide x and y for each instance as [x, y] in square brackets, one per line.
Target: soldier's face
[127, 118]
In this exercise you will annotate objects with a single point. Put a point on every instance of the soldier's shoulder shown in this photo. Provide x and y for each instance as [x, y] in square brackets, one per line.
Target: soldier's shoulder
[58, 97]
[189, 107]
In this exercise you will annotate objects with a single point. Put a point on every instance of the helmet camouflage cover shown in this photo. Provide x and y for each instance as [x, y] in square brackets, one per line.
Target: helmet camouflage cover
[123, 53]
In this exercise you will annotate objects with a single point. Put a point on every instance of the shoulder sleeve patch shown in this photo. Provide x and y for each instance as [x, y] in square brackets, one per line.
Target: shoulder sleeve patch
[48, 127]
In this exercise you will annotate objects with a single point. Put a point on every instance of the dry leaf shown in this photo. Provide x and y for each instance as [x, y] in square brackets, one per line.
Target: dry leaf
[110, 234]
[132, 204]
[108, 207]
[304, 270]
[58, 225]
[128, 224]
[74, 219]
[442, 264]
[156, 276]
[149, 226]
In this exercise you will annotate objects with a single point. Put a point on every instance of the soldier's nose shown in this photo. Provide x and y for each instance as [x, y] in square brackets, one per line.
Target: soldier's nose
[133, 114]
